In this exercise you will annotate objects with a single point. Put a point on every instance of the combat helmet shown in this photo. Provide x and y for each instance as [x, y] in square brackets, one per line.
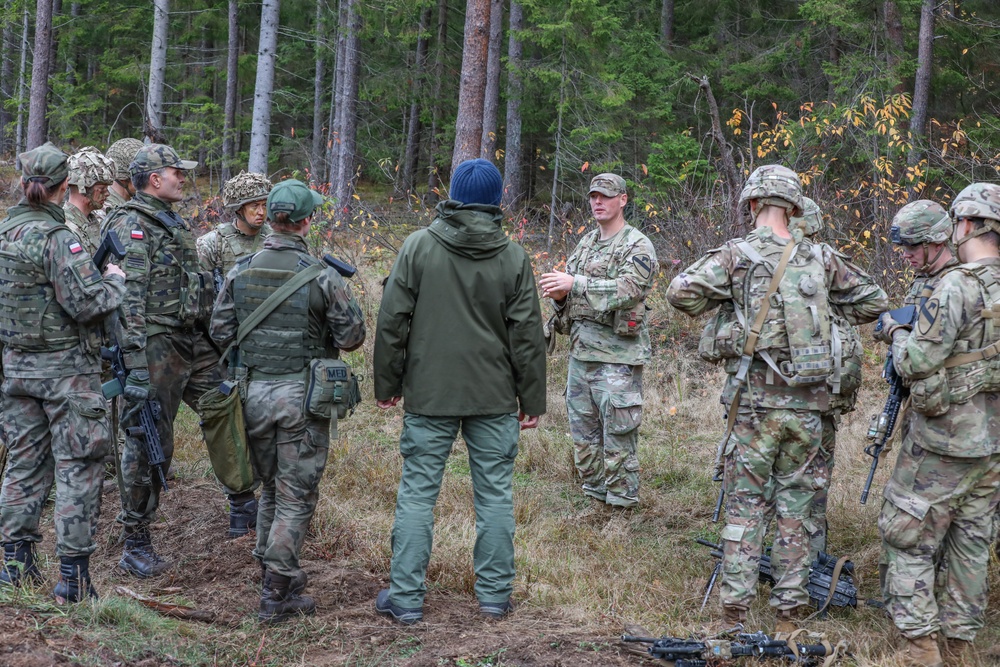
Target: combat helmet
[244, 188]
[774, 185]
[921, 221]
[810, 221]
[122, 152]
[979, 200]
[88, 167]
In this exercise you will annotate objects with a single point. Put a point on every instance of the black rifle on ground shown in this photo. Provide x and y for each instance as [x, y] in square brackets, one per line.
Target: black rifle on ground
[110, 245]
[149, 413]
[343, 268]
[702, 653]
[883, 424]
[826, 572]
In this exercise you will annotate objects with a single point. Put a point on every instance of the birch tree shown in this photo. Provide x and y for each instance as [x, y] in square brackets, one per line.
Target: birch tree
[39, 101]
[472, 86]
[260, 131]
[157, 71]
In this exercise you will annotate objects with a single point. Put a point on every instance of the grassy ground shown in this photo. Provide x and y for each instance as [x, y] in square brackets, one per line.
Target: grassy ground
[584, 572]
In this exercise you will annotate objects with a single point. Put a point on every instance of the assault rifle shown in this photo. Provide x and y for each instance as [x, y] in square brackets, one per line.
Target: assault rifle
[882, 425]
[149, 413]
[702, 653]
[822, 573]
[110, 245]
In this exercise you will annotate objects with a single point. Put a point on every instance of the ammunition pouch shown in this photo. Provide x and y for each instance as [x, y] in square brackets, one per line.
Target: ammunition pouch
[723, 336]
[330, 383]
[628, 322]
[930, 396]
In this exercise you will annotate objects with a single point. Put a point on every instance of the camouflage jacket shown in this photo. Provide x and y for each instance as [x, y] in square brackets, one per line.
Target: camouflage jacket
[925, 282]
[79, 289]
[86, 228]
[950, 322]
[719, 277]
[165, 289]
[330, 302]
[221, 247]
[113, 201]
[610, 275]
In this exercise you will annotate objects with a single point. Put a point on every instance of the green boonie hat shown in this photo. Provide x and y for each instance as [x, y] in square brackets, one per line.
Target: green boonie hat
[293, 197]
[921, 221]
[157, 156]
[609, 185]
[46, 164]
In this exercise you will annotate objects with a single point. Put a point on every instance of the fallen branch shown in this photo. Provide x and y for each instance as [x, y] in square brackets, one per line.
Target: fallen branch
[170, 609]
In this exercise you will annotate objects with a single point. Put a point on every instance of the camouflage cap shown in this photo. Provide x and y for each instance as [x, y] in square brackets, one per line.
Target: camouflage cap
[979, 200]
[158, 156]
[609, 185]
[921, 221]
[810, 221]
[88, 167]
[122, 152]
[46, 164]
[244, 188]
[775, 185]
[293, 197]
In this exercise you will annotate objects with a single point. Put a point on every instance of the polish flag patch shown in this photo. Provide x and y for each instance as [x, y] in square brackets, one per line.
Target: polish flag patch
[137, 234]
[75, 247]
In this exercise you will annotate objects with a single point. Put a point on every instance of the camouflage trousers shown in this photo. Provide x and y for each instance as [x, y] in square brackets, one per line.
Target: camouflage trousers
[775, 466]
[57, 431]
[425, 445]
[604, 405]
[182, 366]
[937, 524]
[289, 451]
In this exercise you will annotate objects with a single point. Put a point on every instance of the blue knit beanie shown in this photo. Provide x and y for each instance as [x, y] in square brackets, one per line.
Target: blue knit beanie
[477, 182]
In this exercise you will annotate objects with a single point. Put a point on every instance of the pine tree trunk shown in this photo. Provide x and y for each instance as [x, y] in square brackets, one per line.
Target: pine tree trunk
[318, 82]
[157, 71]
[922, 84]
[894, 50]
[232, 72]
[434, 171]
[513, 187]
[260, 131]
[558, 154]
[667, 24]
[472, 88]
[343, 187]
[407, 181]
[21, 85]
[39, 102]
[491, 97]
[340, 75]
[6, 76]
[71, 55]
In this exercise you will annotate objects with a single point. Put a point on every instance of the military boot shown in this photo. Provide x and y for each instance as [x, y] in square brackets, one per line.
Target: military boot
[278, 603]
[787, 620]
[959, 653]
[922, 651]
[242, 516]
[74, 580]
[19, 564]
[297, 584]
[139, 558]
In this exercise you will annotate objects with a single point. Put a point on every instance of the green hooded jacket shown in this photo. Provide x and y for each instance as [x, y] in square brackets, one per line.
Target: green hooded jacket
[460, 328]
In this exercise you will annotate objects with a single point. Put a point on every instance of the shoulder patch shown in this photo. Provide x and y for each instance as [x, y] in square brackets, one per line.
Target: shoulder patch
[643, 264]
[928, 322]
[136, 234]
[75, 247]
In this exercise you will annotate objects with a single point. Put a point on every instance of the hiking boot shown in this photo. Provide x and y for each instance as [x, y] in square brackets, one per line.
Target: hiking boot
[787, 620]
[242, 517]
[404, 615]
[958, 653]
[278, 603]
[139, 558]
[297, 584]
[496, 610]
[922, 651]
[74, 580]
[19, 564]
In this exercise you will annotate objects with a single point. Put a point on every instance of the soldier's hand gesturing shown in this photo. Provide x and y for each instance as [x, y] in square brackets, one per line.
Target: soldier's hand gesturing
[555, 285]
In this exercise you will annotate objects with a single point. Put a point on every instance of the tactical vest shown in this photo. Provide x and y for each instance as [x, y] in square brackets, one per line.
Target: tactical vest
[282, 344]
[579, 309]
[229, 250]
[31, 319]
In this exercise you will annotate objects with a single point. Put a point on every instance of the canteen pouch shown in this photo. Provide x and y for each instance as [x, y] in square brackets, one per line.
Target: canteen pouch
[221, 411]
[330, 383]
[931, 396]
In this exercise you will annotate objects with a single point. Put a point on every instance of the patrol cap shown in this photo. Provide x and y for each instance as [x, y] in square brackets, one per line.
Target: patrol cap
[921, 221]
[158, 156]
[609, 185]
[293, 197]
[46, 164]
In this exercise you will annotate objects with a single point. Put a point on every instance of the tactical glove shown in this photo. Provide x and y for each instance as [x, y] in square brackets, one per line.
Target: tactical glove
[137, 385]
[887, 326]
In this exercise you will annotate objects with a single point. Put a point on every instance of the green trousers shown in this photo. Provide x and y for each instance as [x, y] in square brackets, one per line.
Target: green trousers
[425, 445]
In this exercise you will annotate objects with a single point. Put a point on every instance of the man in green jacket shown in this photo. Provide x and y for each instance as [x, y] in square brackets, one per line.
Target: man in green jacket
[459, 339]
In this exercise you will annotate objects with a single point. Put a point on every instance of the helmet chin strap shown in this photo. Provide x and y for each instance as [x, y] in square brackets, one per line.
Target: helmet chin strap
[928, 263]
[247, 222]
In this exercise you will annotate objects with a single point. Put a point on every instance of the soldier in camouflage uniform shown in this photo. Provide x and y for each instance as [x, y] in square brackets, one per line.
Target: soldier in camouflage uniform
[937, 521]
[778, 388]
[52, 303]
[600, 303]
[288, 443]
[122, 152]
[163, 335]
[90, 174]
[246, 195]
